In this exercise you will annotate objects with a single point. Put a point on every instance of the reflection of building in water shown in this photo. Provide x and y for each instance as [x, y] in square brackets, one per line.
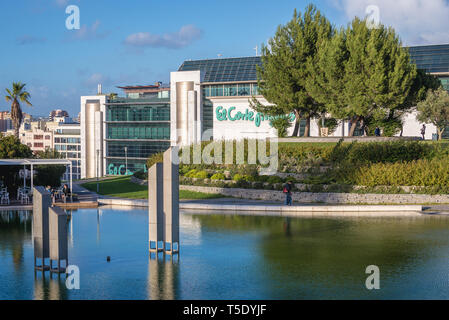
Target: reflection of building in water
[15, 227]
[191, 229]
[163, 277]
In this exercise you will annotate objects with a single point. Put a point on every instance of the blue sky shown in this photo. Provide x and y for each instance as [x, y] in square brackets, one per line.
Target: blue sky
[141, 41]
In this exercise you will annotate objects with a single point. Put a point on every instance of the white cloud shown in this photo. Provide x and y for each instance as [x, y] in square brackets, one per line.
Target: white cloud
[97, 78]
[176, 40]
[88, 32]
[417, 22]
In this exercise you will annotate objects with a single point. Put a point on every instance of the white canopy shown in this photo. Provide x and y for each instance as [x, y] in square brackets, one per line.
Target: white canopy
[37, 162]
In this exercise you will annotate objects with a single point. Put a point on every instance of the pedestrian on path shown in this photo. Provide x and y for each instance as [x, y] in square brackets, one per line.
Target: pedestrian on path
[288, 193]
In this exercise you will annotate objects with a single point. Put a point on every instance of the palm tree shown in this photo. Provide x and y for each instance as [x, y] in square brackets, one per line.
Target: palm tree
[15, 95]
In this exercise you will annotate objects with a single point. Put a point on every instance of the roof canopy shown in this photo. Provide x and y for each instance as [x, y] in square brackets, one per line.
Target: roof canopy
[23, 162]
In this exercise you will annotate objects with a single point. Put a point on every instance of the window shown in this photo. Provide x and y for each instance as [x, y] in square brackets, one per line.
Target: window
[255, 89]
[38, 137]
[47, 137]
[216, 91]
[244, 89]
[38, 145]
[230, 90]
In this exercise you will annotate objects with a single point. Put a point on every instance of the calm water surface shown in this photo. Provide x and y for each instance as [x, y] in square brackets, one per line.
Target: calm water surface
[234, 257]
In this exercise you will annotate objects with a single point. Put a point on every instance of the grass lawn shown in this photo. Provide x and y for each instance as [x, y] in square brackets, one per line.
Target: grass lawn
[122, 187]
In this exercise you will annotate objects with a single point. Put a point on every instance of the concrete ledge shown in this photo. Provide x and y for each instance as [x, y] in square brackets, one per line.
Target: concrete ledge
[306, 210]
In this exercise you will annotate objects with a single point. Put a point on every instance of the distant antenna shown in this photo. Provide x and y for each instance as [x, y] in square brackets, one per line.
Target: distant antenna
[257, 50]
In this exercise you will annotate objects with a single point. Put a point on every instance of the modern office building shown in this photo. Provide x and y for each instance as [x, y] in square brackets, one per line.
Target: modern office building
[67, 141]
[206, 99]
[119, 134]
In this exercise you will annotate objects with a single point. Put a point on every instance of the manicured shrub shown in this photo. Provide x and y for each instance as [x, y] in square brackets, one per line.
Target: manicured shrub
[238, 177]
[201, 175]
[218, 176]
[415, 173]
[191, 173]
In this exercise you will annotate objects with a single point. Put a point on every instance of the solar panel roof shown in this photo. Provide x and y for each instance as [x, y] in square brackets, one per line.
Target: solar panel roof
[226, 69]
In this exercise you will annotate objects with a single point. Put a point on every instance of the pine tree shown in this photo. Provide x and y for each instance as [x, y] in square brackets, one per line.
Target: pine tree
[362, 74]
[283, 75]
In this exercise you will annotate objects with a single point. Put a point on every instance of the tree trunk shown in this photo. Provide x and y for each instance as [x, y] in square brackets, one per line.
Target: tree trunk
[297, 123]
[440, 133]
[353, 126]
[307, 129]
[318, 122]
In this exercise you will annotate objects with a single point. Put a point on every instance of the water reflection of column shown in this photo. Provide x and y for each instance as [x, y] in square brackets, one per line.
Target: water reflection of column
[162, 277]
[153, 289]
[168, 292]
[40, 286]
[49, 288]
[98, 226]
[71, 229]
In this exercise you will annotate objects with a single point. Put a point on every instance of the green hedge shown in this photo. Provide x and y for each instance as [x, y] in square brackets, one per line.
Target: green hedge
[423, 172]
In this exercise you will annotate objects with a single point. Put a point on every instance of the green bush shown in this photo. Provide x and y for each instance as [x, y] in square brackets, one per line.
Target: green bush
[281, 124]
[218, 176]
[238, 177]
[141, 175]
[274, 179]
[201, 175]
[191, 173]
[155, 158]
[415, 173]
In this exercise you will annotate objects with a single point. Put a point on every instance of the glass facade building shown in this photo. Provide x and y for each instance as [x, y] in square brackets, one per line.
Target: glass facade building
[135, 129]
[67, 142]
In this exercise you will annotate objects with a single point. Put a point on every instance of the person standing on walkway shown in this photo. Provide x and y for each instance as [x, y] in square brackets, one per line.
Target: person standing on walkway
[423, 132]
[377, 132]
[288, 193]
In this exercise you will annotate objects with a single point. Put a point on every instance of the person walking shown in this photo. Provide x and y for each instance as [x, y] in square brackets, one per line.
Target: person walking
[377, 132]
[423, 132]
[288, 193]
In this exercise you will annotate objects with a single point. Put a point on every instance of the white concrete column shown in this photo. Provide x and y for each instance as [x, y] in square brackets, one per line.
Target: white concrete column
[155, 207]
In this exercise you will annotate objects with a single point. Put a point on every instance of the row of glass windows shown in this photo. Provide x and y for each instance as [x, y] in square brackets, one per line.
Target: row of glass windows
[63, 147]
[138, 113]
[158, 131]
[231, 90]
[136, 149]
[68, 140]
[73, 155]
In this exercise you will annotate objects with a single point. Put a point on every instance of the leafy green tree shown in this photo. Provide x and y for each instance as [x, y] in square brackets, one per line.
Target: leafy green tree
[283, 75]
[49, 175]
[435, 109]
[281, 124]
[18, 93]
[362, 74]
[11, 148]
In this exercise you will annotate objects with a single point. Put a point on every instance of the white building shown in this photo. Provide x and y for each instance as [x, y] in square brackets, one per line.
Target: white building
[208, 99]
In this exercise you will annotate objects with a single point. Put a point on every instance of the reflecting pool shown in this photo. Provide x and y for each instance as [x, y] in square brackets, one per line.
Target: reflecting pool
[234, 257]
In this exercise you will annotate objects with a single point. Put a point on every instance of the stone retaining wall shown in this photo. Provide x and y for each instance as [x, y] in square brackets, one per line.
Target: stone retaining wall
[331, 198]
